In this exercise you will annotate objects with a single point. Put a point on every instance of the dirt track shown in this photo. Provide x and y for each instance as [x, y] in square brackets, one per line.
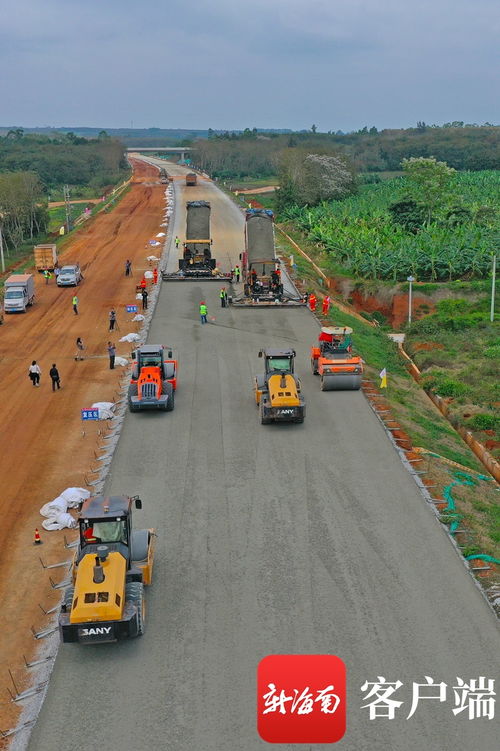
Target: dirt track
[42, 448]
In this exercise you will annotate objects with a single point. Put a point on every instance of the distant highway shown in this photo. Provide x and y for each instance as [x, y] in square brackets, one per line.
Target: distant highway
[305, 538]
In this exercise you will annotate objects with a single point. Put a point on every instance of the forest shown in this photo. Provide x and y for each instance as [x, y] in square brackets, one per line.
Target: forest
[256, 154]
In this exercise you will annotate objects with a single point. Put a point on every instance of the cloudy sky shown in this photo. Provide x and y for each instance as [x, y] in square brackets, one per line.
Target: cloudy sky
[340, 64]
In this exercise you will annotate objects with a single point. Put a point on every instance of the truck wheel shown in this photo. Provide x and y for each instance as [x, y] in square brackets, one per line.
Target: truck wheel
[132, 391]
[68, 599]
[264, 420]
[168, 389]
[134, 592]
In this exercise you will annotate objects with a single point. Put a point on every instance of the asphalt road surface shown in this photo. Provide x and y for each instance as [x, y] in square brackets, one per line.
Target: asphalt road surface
[291, 539]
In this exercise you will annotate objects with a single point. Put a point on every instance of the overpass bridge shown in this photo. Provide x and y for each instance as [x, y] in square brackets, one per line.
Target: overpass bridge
[182, 150]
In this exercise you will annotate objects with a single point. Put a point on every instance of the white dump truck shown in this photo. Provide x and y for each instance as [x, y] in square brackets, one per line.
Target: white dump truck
[19, 293]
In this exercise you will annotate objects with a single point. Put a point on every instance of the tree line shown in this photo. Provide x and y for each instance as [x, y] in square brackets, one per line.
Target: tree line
[255, 154]
[23, 207]
[33, 165]
[64, 159]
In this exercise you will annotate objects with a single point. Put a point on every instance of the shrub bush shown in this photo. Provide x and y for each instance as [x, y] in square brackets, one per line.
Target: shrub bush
[483, 421]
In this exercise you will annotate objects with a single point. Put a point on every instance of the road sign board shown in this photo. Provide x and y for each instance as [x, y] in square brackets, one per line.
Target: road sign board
[90, 414]
[131, 308]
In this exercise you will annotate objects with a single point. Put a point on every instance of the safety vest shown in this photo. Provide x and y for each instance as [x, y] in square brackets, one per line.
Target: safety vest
[222, 293]
[75, 300]
[203, 310]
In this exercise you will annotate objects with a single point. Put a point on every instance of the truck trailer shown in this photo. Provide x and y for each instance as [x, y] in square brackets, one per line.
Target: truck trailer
[45, 257]
[262, 280]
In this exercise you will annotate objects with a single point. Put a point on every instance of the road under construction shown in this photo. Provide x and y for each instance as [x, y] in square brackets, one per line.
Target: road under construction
[279, 539]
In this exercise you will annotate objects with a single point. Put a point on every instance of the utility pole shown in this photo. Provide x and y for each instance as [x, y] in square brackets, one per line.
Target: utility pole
[493, 282]
[68, 208]
[1, 248]
[410, 279]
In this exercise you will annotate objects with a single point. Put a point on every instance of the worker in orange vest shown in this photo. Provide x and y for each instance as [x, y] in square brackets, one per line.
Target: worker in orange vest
[312, 302]
[143, 283]
[155, 276]
[326, 305]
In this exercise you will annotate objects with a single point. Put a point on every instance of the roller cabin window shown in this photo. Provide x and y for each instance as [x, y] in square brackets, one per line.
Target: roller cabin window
[112, 531]
[278, 364]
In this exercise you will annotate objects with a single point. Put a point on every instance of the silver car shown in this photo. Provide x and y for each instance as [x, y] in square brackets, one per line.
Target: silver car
[69, 276]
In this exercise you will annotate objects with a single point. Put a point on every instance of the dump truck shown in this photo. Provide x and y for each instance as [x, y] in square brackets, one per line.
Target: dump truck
[45, 257]
[19, 293]
[262, 275]
[332, 359]
[112, 565]
[154, 379]
[164, 177]
[277, 390]
[191, 178]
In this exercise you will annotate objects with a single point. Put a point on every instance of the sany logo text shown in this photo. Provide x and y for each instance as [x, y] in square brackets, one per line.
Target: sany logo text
[99, 631]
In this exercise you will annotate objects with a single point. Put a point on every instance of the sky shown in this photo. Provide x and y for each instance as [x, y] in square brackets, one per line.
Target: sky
[230, 64]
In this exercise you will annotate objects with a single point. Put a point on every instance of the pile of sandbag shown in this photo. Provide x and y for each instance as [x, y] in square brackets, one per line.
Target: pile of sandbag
[56, 511]
[130, 338]
[105, 409]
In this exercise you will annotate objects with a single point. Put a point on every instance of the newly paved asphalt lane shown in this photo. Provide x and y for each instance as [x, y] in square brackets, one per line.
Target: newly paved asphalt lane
[291, 539]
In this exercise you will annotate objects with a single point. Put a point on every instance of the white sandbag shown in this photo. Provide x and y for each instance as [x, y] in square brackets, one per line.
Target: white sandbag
[74, 496]
[122, 361]
[152, 258]
[138, 316]
[160, 234]
[138, 296]
[130, 338]
[58, 506]
[148, 275]
[59, 521]
[105, 410]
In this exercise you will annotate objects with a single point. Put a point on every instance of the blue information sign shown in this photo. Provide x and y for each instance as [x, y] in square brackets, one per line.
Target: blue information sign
[90, 414]
[131, 308]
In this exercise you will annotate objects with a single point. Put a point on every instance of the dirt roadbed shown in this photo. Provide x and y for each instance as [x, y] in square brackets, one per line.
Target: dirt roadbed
[42, 449]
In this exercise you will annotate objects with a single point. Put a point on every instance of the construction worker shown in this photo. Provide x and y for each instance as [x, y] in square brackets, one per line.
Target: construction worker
[144, 294]
[312, 302]
[222, 295]
[74, 302]
[203, 311]
[155, 276]
[128, 267]
[143, 283]
[326, 305]
[177, 241]
[226, 298]
[112, 355]
[47, 275]
[112, 319]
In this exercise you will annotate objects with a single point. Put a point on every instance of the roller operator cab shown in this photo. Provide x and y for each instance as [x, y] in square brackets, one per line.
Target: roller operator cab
[112, 565]
[277, 391]
[154, 379]
[332, 359]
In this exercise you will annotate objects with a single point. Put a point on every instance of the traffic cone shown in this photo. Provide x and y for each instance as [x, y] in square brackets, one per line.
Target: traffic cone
[38, 539]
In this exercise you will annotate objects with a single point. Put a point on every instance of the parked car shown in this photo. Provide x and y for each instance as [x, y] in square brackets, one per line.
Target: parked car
[69, 276]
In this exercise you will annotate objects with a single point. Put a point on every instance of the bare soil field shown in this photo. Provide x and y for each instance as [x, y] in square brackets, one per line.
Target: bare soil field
[42, 449]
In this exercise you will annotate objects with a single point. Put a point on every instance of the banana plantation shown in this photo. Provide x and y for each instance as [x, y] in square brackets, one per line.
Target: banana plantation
[361, 237]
